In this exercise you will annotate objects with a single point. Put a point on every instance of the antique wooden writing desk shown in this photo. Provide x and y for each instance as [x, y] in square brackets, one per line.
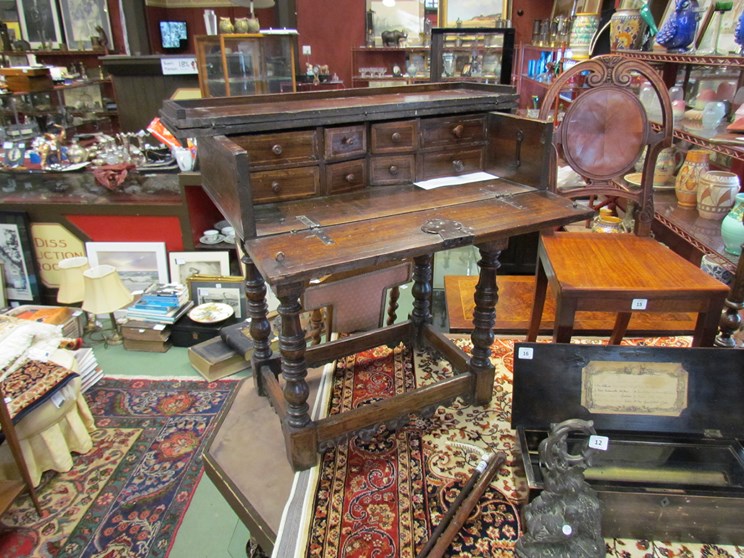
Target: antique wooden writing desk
[321, 183]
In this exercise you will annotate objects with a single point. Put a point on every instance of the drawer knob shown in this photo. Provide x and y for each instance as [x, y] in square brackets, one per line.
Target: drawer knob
[458, 165]
[350, 178]
[393, 169]
[277, 149]
[348, 140]
[457, 131]
[275, 187]
[395, 137]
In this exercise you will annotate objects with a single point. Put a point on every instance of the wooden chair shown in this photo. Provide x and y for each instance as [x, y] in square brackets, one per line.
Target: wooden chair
[601, 136]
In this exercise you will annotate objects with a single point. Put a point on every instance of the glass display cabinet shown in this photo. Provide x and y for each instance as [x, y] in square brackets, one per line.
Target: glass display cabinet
[481, 54]
[246, 64]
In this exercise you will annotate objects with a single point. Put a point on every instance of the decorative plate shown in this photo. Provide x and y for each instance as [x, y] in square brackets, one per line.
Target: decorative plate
[634, 179]
[211, 312]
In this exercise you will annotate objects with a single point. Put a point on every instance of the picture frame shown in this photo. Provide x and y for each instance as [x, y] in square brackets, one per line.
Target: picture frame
[21, 272]
[139, 264]
[476, 13]
[80, 19]
[405, 15]
[3, 297]
[726, 40]
[564, 7]
[225, 289]
[39, 21]
[182, 265]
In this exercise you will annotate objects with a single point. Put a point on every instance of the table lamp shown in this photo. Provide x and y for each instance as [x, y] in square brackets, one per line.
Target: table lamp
[104, 294]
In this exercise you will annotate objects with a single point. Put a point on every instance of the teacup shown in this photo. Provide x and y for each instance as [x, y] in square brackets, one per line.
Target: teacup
[211, 233]
[228, 231]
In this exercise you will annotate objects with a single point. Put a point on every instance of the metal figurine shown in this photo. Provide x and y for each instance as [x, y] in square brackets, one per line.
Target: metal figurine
[564, 521]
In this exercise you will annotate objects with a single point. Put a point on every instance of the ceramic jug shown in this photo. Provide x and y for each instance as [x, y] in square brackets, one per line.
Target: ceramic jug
[667, 163]
[583, 29]
[626, 29]
[732, 227]
[686, 184]
[716, 193]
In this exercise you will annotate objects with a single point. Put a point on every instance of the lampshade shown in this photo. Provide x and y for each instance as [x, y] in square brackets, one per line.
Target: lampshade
[104, 290]
[71, 284]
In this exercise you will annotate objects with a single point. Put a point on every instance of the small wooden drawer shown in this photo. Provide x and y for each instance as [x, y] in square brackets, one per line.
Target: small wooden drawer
[285, 184]
[266, 150]
[389, 169]
[345, 142]
[450, 163]
[347, 176]
[394, 137]
[452, 130]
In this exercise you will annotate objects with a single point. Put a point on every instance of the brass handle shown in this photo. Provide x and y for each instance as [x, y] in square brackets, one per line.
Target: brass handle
[458, 165]
[457, 131]
[348, 141]
[395, 137]
[275, 187]
[393, 169]
[277, 149]
[350, 178]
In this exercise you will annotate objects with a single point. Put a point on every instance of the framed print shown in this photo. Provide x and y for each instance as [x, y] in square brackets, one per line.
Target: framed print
[727, 21]
[16, 254]
[39, 22]
[404, 15]
[3, 297]
[564, 7]
[472, 13]
[185, 264]
[81, 19]
[140, 264]
[228, 290]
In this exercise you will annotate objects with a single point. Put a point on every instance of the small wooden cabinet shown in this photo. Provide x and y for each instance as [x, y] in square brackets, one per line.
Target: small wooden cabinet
[246, 64]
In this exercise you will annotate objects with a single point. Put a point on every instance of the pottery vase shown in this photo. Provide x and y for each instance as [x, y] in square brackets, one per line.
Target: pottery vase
[732, 227]
[226, 25]
[627, 28]
[716, 193]
[686, 184]
[584, 28]
[605, 222]
[247, 25]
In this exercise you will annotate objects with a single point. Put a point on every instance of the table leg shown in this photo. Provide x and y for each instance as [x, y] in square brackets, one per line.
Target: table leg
[260, 328]
[484, 316]
[299, 435]
[422, 291]
[731, 319]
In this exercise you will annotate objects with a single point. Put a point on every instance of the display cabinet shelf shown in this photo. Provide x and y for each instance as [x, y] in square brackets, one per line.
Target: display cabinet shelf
[412, 65]
[481, 54]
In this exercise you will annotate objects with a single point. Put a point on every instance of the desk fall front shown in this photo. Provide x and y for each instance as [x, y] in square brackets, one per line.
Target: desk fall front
[322, 183]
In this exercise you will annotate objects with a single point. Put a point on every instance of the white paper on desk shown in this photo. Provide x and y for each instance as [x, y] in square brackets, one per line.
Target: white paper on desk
[455, 180]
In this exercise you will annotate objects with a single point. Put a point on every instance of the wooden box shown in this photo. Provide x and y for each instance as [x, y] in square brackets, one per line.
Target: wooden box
[186, 332]
[674, 469]
[140, 335]
[27, 79]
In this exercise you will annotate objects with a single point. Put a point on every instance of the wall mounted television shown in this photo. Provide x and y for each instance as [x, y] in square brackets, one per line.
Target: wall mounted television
[173, 35]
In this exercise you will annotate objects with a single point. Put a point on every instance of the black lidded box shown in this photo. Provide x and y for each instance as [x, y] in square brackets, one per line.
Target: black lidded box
[186, 332]
[674, 468]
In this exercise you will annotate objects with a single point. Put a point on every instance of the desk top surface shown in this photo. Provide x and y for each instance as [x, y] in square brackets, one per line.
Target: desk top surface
[384, 224]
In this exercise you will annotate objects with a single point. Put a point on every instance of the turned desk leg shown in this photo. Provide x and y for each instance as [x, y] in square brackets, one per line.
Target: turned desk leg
[731, 319]
[260, 327]
[484, 317]
[422, 292]
[300, 437]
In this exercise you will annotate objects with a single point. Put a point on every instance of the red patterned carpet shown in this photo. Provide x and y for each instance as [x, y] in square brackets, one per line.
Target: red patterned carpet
[128, 495]
[383, 495]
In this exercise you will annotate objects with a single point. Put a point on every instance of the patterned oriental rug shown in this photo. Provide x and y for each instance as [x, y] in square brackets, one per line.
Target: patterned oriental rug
[128, 495]
[383, 496]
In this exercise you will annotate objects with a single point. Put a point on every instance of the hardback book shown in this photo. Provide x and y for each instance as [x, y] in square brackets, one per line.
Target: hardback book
[238, 336]
[148, 346]
[169, 318]
[215, 359]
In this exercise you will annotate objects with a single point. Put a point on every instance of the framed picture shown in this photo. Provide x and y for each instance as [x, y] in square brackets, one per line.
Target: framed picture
[82, 20]
[39, 22]
[472, 13]
[726, 42]
[3, 296]
[17, 256]
[185, 264]
[564, 7]
[404, 15]
[228, 290]
[704, 7]
[140, 264]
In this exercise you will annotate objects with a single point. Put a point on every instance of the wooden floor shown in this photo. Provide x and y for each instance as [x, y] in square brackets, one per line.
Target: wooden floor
[515, 305]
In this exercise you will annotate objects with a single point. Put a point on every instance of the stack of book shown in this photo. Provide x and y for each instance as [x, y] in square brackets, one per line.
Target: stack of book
[88, 368]
[140, 335]
[163, 303]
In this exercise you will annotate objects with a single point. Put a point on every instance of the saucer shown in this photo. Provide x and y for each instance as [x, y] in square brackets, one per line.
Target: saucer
[212, 239]
[230, 239]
